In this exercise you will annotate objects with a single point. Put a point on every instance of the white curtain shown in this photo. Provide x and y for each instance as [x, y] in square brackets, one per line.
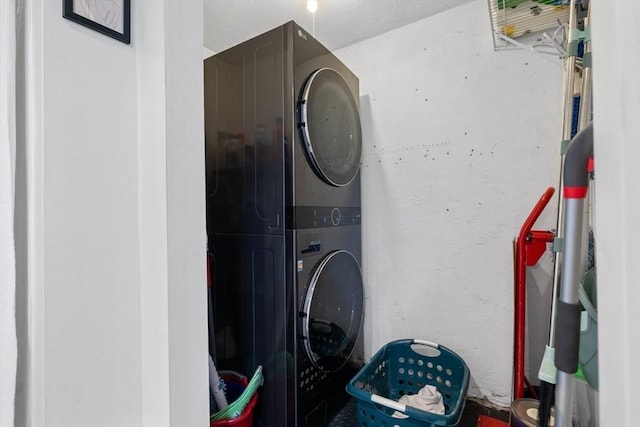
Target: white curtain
[8, 341]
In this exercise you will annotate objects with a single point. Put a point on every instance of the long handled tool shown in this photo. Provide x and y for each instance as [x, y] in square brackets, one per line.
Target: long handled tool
[547, 372]
[578, 167]
[216, 384]
[576, 178]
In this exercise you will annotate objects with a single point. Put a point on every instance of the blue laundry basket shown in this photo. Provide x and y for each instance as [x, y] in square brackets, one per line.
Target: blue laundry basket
[403, 367]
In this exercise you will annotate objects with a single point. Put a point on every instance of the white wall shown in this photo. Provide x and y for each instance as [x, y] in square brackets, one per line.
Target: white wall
[459, 144]
[115, 330]
[617, 223]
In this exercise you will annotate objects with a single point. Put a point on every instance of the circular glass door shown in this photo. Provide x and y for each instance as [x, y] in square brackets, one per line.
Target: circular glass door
[333, 310]
[330, 127]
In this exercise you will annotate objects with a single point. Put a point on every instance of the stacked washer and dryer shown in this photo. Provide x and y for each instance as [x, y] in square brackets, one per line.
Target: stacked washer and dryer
[283, 146]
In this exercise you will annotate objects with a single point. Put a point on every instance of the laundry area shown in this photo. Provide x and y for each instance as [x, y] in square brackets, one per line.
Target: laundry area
[368, 230]
[406, 213]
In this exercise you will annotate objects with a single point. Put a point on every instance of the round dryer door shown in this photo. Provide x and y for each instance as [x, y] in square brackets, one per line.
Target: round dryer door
[330, 127]
[332, 312]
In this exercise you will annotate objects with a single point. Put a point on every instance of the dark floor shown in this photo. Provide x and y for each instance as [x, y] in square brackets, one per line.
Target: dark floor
[472, 410]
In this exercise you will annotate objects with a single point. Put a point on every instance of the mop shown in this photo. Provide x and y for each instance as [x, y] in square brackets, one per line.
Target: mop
[547, 372]
[216, 384]
[576, 178]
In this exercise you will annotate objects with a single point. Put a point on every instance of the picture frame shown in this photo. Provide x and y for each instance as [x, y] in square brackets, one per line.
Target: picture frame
[109, 17]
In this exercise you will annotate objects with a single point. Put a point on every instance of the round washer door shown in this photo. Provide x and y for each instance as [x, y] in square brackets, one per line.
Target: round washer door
[330, 127]
[333, 311]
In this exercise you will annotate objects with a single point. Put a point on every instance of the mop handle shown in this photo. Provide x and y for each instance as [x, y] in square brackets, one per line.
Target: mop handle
[567, 120]
[216, 386]
[576, 178]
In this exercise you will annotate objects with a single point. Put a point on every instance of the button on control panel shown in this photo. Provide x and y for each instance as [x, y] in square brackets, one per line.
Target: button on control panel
[335, 216]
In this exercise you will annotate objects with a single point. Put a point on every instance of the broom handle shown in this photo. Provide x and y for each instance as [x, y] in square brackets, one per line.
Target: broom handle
[585, 97]
[570, 64]
[585, 116]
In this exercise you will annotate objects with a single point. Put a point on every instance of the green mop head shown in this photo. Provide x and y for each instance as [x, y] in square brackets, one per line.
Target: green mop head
[235, 409]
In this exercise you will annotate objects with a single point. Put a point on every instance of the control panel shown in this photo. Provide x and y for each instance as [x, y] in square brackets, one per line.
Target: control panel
[324, 216]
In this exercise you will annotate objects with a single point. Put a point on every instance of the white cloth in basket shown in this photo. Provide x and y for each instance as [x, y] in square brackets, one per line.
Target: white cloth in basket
[428, 399]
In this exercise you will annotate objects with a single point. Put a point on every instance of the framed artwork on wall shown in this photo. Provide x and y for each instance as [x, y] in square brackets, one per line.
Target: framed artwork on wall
[109, 17]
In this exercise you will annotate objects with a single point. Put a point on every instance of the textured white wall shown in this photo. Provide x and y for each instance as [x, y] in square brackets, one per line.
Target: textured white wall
[113, 326]
[459, 144]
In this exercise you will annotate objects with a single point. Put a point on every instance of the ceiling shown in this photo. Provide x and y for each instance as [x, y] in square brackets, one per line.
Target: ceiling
[337, 23]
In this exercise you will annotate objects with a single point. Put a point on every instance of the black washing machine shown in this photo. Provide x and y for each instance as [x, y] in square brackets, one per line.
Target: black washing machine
[283, 135]
[283, 146]
[330, 312]
[295, 306]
